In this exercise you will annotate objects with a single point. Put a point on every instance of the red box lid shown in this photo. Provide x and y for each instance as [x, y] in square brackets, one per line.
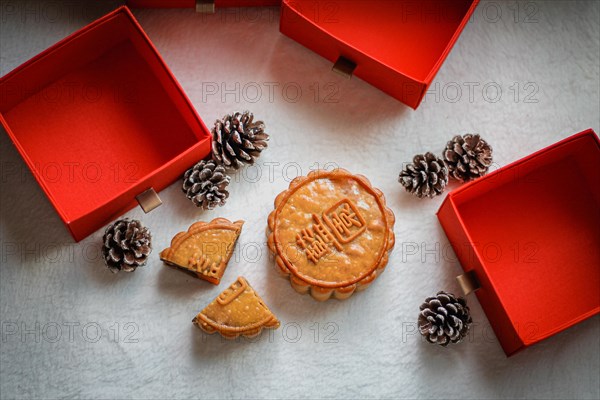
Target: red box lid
[99, 118]
[531, 233]
[397, 46]
[192, 3]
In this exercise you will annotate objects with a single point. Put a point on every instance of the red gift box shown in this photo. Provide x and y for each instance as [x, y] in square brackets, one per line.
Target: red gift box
[99, 118]
[530, 232]
[192, 3]
[397, 46]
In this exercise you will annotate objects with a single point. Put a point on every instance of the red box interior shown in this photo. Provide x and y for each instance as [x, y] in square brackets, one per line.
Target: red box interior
[534, 229]
[99, 118]
[384, 38]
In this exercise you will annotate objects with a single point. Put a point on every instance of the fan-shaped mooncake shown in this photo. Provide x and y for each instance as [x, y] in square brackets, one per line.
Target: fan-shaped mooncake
[238, 310]
[205, 249]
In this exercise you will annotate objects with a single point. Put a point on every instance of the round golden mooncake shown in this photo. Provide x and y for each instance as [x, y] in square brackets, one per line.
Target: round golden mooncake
[331, 233]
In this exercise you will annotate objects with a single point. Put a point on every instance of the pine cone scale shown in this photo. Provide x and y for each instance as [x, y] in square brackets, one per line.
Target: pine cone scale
[247, 144]
[236, 137]
[114, 256]
[216, 178]
[433, 178]
[129, 258]
[245, 156]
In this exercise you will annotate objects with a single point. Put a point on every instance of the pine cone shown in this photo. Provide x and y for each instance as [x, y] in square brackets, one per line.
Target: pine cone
[427, 176]
[444, 319]
[205, 184]
[127, 244]
[468, 157]
[237, 140]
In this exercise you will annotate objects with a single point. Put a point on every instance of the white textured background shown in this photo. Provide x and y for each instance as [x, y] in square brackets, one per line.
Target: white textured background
[372, 350]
